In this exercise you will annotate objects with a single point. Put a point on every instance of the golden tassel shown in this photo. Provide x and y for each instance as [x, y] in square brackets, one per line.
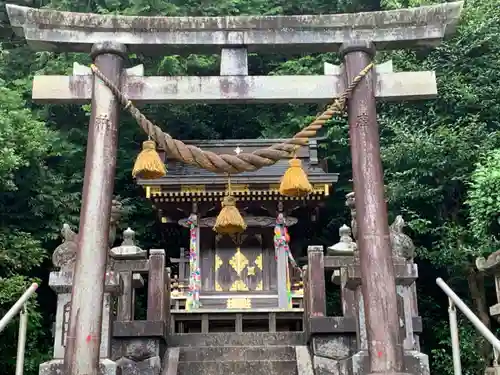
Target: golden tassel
[229, 220]
[294, 182]
[148, 164]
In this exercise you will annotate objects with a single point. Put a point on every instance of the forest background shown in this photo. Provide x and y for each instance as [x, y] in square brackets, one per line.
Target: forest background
[441, 158]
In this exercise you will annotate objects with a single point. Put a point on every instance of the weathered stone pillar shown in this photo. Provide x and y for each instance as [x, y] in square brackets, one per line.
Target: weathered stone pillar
[84, 337]
[378, 286]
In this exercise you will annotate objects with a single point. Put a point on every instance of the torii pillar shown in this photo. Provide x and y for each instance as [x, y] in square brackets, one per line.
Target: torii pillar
[378, 285]
[354, 35]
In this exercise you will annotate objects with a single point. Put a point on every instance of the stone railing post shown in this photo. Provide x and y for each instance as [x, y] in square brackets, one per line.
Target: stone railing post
[128, 258]
[316, 299]
[157, 295]
[138, 343]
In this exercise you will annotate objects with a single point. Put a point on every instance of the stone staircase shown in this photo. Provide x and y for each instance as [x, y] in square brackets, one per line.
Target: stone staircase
[249, 353]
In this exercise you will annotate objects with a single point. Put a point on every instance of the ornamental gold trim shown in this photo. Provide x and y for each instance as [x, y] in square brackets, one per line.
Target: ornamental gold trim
[258, 262]
[218, 288]
[153, 191]
[192, 188]
[239, 188]
[259, 286]
[243, 192]
[239, 261]
[239, 303]
[251, 271]
[239, 286]
[218, 262]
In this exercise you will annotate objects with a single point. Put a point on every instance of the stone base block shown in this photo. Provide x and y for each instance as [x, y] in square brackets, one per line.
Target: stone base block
[56, 367]
[137, 349]
[150, 366]
[495, 370]
[415, 363]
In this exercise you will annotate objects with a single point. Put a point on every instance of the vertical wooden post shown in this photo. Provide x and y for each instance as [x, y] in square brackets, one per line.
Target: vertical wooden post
[84, 336]
[126, 300]
[281, 269]
[156, 286]
[168, 291]
[305, 303]
[316, 296]
[377, 270]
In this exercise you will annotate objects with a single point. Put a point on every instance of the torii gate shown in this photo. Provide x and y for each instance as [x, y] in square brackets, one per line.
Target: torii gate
[109, 38]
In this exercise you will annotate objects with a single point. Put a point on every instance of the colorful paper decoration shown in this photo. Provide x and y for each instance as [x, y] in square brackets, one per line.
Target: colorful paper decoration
[281, 244]
[193, 298]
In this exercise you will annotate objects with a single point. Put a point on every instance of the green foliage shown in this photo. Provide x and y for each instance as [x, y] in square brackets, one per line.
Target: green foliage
[23, 138]
[484, 200]
[472, 363]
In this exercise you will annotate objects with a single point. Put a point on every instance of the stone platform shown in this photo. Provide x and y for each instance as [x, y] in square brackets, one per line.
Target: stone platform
[231, 353]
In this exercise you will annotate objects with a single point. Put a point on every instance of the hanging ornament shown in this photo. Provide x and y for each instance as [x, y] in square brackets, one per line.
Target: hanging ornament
[148, 164]
[229, 220]
[193, 300]
[294, 182]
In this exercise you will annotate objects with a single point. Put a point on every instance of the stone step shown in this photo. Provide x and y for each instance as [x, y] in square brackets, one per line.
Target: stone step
[238, 368]
[237, 353]
[237, 339]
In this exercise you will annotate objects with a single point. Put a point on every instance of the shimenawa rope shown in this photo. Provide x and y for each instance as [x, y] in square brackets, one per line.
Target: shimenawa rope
[225, 163]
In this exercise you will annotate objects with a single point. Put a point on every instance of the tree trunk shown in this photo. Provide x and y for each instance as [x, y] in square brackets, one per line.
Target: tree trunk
[476, 287]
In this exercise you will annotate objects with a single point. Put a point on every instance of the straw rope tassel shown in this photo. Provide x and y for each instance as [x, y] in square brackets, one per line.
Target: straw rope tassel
[229, 220]
[148, 164]
[294, 182]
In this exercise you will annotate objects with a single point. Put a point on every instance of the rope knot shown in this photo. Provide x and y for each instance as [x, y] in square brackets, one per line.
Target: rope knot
[228, 201]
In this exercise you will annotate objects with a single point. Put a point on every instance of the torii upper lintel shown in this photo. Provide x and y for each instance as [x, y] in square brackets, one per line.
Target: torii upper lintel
[52, 30]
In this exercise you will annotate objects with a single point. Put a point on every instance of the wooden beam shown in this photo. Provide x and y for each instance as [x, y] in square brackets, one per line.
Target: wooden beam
[77, 89]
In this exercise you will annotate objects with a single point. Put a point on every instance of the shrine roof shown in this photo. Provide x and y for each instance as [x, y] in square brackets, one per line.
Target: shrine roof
[186, 180]
[179, 173]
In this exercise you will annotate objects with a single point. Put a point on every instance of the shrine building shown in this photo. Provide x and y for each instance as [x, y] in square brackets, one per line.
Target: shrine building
[244, 276]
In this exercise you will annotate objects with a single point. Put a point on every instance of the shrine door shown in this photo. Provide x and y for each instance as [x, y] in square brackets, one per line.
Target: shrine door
[239, 264]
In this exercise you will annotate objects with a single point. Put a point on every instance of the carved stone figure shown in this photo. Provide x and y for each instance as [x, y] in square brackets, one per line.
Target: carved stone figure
[351, 203]
[490, 264]
[402, 244]
[64, 256]
[116, 214]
